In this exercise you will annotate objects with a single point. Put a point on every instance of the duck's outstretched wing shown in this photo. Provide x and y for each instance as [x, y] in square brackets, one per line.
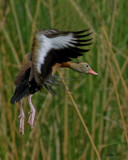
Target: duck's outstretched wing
[51, 47]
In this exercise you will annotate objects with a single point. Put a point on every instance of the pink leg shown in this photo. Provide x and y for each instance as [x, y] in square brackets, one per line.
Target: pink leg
[21, 117]
[31, 113]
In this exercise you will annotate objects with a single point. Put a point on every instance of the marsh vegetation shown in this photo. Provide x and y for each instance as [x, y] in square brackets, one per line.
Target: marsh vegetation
[88, 118]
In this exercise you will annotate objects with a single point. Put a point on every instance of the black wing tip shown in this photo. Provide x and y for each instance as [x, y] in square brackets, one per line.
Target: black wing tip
[83, 40]
[79, 50]
[83, 50]
[82, 35]
[81, 44]
[82, 31]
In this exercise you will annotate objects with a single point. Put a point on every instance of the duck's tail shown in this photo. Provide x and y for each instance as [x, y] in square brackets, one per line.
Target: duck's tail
[21, 91]
[26, 87]
[22, 88]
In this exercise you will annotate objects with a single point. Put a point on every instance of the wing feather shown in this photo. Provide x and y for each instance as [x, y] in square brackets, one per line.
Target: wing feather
[53, 47]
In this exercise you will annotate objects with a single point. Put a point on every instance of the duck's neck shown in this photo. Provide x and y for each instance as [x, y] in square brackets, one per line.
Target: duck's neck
[72, 65]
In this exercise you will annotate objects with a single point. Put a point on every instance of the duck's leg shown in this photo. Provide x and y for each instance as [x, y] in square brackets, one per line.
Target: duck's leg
[21, 117]
[31, 113]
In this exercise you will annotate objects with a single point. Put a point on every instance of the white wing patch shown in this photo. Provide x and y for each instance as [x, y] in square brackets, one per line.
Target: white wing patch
[46, 44]
[42, 50]
[62, 41]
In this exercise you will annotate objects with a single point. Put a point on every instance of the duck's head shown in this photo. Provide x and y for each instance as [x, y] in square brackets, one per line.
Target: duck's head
[85, 68]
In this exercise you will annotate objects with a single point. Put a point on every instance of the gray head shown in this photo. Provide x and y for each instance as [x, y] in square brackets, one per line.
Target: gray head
[85, 68]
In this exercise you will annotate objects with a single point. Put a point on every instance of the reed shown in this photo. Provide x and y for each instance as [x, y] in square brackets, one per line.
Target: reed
[87, 119]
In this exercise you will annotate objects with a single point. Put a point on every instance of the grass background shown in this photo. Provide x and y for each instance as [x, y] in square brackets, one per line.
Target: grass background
[87, 120]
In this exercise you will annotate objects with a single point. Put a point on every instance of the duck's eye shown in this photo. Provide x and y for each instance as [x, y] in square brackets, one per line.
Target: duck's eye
[87, 65]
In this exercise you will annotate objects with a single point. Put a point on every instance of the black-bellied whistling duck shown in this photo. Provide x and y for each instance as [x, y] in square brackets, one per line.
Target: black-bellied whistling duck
[51, 50]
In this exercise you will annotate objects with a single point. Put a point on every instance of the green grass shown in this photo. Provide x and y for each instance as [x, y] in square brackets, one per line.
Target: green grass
[94, 104]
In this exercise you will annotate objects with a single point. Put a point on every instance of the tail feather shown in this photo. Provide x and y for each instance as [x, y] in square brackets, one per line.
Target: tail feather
[25, 88]
[22, 88]
[21, 91]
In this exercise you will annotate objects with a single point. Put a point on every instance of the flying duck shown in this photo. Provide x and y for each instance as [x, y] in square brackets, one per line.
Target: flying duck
[51, 50]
